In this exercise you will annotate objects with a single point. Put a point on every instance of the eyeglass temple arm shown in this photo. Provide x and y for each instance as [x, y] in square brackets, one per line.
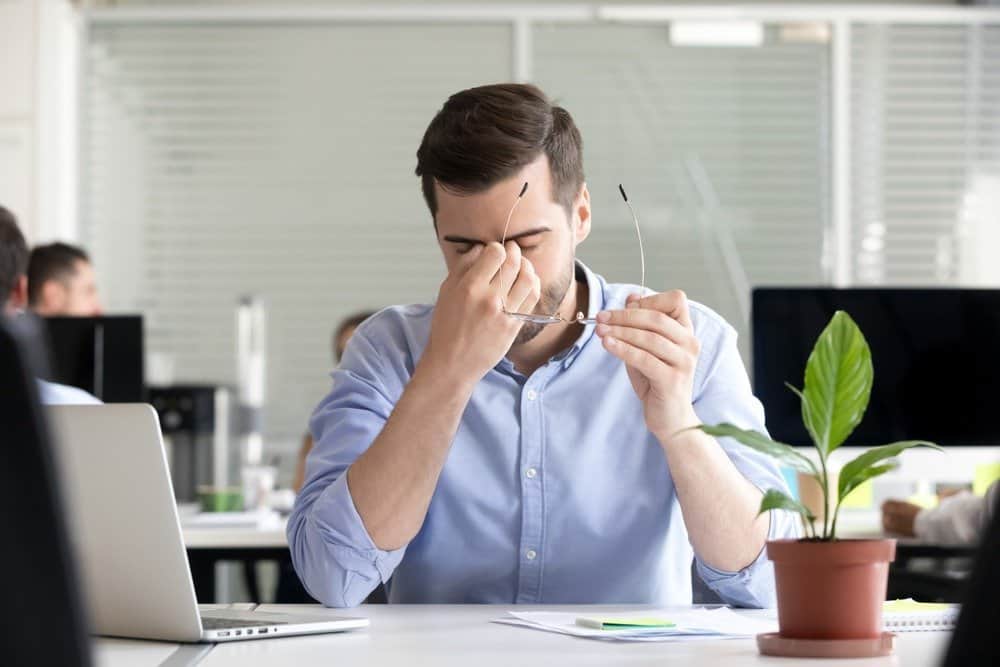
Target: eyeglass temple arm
[638, 233]
[503, 240]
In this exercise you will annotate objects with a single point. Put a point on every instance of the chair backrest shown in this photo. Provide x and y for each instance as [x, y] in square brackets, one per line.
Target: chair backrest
[44, 623]
[974, 641]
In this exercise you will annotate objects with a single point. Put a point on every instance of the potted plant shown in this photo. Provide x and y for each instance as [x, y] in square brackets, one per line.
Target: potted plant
[829, 588]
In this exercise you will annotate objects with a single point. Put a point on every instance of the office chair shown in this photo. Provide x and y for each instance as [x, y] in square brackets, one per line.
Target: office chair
[43, 621]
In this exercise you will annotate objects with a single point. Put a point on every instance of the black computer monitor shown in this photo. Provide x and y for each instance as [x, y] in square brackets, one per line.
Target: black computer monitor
[102, 355]
[936, 354]
[44, 621]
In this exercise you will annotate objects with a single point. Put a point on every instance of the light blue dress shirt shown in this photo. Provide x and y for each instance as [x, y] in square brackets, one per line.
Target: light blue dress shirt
[553, 491]
[50, 393]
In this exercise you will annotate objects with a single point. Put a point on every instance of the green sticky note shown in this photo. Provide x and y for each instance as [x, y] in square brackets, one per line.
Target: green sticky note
[623, 623]
[925, 500]
[910, 605]
[861, 497]
[986, 474]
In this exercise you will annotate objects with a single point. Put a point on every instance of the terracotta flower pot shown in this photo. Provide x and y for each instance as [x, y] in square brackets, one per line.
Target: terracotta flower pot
[831, 590]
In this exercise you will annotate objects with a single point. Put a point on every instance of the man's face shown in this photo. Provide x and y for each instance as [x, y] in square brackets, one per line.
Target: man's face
[540, 226]
[75, 296]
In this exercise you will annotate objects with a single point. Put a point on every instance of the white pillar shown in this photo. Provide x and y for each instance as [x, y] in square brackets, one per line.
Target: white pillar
[37, 116]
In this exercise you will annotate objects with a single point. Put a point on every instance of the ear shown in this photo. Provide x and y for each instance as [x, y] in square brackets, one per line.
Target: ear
[53, 297]
[581, 215]
[17, 300]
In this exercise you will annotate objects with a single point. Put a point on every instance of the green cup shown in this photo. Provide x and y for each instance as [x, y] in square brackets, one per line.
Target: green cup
[212, 499]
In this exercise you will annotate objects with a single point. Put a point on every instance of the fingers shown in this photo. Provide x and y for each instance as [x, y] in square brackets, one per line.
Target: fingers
[486, 263]
[654, 343]
[898, 516]
[673, 303]
[526, 290]
[639, 359]
[511, 266]
[655, 321]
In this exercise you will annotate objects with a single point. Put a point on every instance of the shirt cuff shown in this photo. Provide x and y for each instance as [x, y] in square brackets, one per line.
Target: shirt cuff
[753, 586]
[337, 520]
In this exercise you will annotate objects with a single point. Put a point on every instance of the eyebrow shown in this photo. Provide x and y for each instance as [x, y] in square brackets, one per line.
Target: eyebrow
[513, 237]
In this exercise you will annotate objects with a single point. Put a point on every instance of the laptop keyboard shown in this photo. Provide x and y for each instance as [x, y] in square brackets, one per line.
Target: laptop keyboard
[211, 623]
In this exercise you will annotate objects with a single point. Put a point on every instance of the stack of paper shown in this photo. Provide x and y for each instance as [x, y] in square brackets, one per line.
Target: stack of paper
[911, 616]
[646, 626]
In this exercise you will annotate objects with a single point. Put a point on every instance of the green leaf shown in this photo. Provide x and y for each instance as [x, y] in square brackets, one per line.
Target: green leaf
[862, 476]
[776, 500]
[838, 383]
[858, 465]
[760, 442]
[806, 419]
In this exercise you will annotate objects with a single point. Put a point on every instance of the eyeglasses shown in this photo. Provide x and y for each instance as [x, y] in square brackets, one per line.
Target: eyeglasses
[556, 318]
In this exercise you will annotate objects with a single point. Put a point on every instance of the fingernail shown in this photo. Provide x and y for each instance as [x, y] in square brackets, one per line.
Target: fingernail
[602, 329]
[604, 316]
[611, 342]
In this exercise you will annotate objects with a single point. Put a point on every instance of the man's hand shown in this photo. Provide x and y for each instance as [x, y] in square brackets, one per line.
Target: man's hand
[898, 517]
[655, 338]
[470, 333]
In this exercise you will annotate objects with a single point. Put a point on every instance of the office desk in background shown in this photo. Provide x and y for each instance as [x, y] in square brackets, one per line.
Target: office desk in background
[462, 635]
[923, 571]
[208, 546]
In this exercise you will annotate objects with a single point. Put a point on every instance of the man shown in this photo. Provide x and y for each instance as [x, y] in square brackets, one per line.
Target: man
[61, 282]
[959, 519]
[14, 298]
[476, 457]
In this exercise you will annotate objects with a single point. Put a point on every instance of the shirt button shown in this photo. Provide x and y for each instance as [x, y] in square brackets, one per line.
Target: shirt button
[530, 554]
[532, 394]
[530, 473]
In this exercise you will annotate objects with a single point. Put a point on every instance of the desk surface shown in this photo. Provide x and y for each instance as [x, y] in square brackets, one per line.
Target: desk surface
[443, 635]
[271, 534]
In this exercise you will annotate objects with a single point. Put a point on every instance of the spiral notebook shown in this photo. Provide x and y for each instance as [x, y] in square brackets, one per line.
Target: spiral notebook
[911, 616]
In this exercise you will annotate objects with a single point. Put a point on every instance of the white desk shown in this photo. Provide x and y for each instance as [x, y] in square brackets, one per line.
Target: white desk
[270, 537]
[461, 635]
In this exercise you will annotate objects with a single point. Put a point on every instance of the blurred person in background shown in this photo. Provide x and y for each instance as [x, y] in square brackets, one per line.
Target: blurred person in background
[61, 282]
[14, 291]
[959, 519]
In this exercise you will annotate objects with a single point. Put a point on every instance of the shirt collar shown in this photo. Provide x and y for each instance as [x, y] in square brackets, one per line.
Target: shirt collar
[595, 304]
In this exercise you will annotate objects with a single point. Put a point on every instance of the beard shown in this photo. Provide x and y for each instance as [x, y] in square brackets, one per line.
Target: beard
[551, 298]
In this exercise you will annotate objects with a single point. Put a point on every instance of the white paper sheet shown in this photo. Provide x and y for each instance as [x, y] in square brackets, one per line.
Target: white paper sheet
[689, 624]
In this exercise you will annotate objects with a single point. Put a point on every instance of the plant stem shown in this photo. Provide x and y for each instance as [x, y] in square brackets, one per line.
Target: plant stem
[826, 499]
[807, 526]
[833, 528]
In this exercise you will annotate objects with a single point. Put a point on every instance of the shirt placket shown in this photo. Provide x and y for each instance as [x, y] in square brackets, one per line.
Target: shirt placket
[531, 554]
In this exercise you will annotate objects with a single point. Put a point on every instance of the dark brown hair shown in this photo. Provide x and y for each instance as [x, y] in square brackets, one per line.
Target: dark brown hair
[487, 134]
[349, 322]
[55, 261]
[13, 254]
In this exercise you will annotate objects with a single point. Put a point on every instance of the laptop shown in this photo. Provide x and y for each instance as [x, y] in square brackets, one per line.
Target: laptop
[122, 513]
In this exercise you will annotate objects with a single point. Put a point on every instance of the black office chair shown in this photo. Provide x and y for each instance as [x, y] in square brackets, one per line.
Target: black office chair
[974, 641]
[43, 621]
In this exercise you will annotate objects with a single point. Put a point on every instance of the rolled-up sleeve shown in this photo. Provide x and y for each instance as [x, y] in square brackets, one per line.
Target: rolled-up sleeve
[723, 394]
[331, 549]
